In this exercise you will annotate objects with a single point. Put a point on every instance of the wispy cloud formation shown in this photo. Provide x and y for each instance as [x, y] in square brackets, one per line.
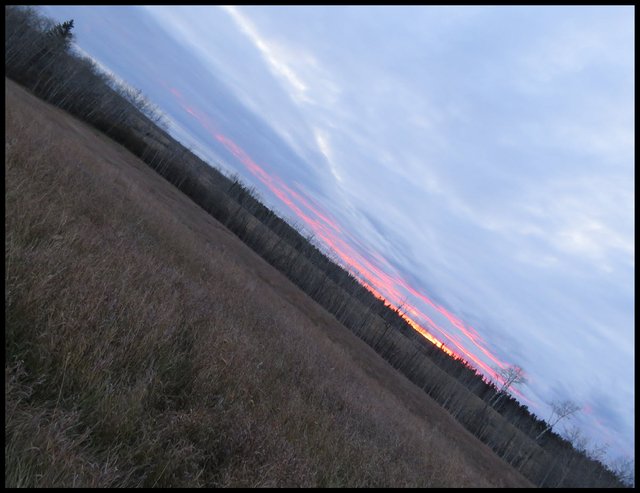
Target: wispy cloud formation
[272, 54]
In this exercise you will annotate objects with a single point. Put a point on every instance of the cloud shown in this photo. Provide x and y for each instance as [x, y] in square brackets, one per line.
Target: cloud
[322, 139]
[273, 54]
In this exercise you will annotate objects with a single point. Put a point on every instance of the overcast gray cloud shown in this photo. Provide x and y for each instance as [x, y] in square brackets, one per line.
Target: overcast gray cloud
[481, 157]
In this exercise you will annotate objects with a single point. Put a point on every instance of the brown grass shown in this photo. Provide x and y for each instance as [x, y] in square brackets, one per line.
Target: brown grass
[147, 346]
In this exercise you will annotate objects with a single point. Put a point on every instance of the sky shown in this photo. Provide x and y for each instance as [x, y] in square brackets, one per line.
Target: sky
[472, 164]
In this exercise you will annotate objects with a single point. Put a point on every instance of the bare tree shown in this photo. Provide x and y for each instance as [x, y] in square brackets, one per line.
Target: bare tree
[598, 452]
[570, 457]
[560, 411]
[577, 439]
[624, 470]
[510, 375]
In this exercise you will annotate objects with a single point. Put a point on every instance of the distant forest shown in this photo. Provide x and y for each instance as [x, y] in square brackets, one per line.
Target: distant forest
[39, 55]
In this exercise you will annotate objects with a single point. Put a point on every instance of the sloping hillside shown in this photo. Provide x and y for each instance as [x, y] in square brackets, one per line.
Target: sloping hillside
[147, 346]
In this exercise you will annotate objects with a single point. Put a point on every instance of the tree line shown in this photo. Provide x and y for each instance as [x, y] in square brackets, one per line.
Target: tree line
[39, 55]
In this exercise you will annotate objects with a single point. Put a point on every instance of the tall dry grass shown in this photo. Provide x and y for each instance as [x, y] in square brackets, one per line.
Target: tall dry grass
[143, 350]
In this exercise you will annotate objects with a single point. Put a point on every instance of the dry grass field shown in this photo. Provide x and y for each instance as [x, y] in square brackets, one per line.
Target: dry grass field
[145, 345]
